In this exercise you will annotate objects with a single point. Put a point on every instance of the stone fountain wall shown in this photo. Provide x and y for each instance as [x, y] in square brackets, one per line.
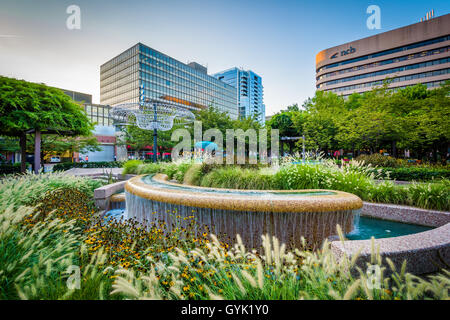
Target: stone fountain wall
[288, 227]
[288, 217]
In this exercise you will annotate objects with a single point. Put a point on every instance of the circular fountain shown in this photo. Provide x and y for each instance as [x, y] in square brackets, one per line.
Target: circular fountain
[288, 215]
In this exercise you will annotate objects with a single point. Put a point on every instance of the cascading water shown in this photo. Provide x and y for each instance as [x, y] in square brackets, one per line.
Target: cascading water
[226, 213]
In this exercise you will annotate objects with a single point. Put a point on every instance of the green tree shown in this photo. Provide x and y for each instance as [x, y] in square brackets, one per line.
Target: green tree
[320, 125]
[212, 118]
[27, 107]
[428, 123]
[284, 121]
[54, 144]
[139, 139]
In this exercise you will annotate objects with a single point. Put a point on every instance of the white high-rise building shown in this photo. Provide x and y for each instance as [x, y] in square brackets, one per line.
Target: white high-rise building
[249, 92]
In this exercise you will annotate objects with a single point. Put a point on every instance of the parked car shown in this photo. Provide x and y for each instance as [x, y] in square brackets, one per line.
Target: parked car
[55, 159]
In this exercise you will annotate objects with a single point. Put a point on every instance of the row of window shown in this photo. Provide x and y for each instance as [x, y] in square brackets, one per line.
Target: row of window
[192, 92]
[386, 52]
[125, 97]
[121, 85]
[99, 115]
[109, 75]
[387, 71]
[384, 62]
[129, 87]
[398, 79]
[188, 102]
[169, 64]
[114, 62]
[123, 78]
[432, 84]
[153, 90]
[188, 84]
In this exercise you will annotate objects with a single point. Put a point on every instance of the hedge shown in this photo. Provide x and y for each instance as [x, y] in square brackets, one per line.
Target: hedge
[100, 164]
[414, 173]
[9, 169]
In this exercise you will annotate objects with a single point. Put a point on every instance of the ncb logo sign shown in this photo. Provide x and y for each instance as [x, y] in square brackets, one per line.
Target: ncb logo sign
[344, 52]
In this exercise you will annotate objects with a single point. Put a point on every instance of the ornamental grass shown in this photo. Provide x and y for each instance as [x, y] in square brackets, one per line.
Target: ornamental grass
[44, 240]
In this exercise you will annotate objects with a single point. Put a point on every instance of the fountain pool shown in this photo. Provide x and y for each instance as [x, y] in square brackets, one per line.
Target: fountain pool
[288, 215]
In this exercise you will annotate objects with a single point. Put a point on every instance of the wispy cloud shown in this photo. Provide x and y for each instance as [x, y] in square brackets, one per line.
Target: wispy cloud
[10, 36]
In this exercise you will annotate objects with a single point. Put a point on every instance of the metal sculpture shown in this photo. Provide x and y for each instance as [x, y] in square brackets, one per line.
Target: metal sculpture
[151, 115]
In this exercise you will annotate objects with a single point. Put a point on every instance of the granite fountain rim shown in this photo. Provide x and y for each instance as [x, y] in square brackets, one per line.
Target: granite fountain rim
[338, 201]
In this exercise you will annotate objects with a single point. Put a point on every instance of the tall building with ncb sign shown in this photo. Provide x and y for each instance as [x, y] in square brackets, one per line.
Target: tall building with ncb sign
[418, 53]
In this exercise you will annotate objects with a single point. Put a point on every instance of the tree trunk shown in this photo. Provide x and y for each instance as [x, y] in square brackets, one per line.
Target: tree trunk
[23, 152]
[37, 151]
[394, 149]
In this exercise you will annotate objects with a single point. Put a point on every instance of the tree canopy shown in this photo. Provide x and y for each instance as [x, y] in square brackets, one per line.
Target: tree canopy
[412, 118]
[26, 106]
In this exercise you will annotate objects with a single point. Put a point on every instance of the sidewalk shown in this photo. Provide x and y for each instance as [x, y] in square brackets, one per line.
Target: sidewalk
[94, 171]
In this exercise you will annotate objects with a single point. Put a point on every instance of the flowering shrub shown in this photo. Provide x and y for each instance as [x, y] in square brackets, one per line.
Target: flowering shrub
[354, 177]
[220, 273]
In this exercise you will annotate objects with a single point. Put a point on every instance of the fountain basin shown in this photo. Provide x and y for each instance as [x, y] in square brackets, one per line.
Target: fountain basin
[288, 215]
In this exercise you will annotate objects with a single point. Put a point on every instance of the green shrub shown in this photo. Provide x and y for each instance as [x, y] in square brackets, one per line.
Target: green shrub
[415, 173]
[193, 175]
[378, 160]
[131, 166]
[306, 176]
[170, 169]
[63, 166]
[235, 177]
[182, 168]
[28, 188]
[352, 178]
[36, 250]
[386, 192]
[9, 169]
[430, 195]
[150, 168]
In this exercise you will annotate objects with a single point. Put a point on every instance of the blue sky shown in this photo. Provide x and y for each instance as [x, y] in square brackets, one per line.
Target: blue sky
[276, 39]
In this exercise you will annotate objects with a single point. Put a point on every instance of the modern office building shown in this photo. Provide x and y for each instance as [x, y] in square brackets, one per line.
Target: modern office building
[78, 96]
[249, 91]
[142, 72]
[104, 129]
[418, 53]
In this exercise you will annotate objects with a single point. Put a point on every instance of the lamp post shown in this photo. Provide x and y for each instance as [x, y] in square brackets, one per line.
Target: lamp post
[155, 135]
[155, 131]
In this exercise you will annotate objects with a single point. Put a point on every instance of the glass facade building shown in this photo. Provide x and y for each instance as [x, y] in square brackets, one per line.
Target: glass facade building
[142, 72]
[418, 53]
[249, 90]
[78, 96]
[104, 131]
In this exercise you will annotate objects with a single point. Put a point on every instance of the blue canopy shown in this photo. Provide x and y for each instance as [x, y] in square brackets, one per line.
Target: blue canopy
[206, 145]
